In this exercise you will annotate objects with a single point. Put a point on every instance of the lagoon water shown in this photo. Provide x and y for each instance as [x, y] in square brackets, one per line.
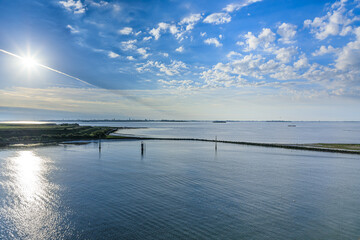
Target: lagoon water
[177, 190]
[265, 132]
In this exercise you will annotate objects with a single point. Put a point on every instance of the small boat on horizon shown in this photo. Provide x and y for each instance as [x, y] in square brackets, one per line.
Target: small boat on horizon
[292, 125]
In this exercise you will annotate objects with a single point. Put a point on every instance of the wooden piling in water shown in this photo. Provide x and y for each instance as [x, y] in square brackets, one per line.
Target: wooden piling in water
[215, 143]
[142, 148]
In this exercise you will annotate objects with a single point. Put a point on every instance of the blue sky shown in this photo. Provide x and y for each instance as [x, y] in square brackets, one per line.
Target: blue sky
[240, 60]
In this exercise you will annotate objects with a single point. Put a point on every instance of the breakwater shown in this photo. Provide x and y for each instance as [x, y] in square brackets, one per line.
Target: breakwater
[307, 147]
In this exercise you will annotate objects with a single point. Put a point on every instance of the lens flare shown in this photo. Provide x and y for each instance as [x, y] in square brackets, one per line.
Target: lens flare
[29, 62]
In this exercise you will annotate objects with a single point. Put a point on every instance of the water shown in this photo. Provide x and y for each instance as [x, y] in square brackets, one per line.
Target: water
[265, 132]
[177, 190]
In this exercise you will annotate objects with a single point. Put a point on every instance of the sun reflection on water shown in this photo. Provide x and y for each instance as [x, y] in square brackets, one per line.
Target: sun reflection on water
[28, 168]
[30, 206]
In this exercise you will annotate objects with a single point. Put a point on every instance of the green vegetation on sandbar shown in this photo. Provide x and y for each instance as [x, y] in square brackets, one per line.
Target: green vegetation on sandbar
[344, 146]
[45, 133]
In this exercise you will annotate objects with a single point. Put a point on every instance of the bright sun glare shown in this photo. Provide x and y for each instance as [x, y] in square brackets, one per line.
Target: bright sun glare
[29, 62]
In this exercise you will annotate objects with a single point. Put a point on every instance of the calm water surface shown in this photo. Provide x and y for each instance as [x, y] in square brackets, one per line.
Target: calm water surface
[177, 190]
[266, 132]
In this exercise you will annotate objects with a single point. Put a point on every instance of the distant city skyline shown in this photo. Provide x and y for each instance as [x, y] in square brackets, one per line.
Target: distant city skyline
[188, 60]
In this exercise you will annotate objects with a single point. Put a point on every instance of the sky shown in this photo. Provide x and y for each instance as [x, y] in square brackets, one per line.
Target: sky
[179, 59]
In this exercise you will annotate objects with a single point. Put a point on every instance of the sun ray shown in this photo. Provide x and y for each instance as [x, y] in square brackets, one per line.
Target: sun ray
[31, 62]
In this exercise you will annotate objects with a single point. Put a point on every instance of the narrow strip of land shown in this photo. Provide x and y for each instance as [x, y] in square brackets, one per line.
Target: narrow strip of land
[48, 133]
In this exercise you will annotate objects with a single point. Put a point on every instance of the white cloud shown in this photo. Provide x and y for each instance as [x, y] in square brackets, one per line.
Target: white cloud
[145, 67]
[349, 56]
[285, 55]
[73, 6]
[232, 54]
[287, 32]
[73, 29]
[143, 52]
[180, 49]
[113, 55]
[218, 18]
[163, 27]
[165, 54]
[325, 50]
[128, 45]
[174, 68]
[173, 29]
[147, 38]
[125, 31]
[213, 41]
[334, 23]
[236, 72]
[270, 66]
[203, 34]
[346, 30]
[257, 71]
[193, 18]
[131, 58]
[251, 40]
[302, 62]
[156, 32]
[171, 69]
[186, 25]
[219, 76]
[265, 38]
[251, 71]
[285, 73]
[237, 6]
[247, 66]
[190, 21]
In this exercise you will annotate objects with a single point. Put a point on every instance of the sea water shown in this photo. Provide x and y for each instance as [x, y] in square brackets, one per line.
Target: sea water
[177, 190]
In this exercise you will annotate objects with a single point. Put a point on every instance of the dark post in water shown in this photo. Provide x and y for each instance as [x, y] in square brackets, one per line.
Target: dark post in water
[142, 148]
[215, 143]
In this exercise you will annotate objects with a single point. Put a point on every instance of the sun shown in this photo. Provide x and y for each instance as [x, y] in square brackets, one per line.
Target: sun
[29, 62]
